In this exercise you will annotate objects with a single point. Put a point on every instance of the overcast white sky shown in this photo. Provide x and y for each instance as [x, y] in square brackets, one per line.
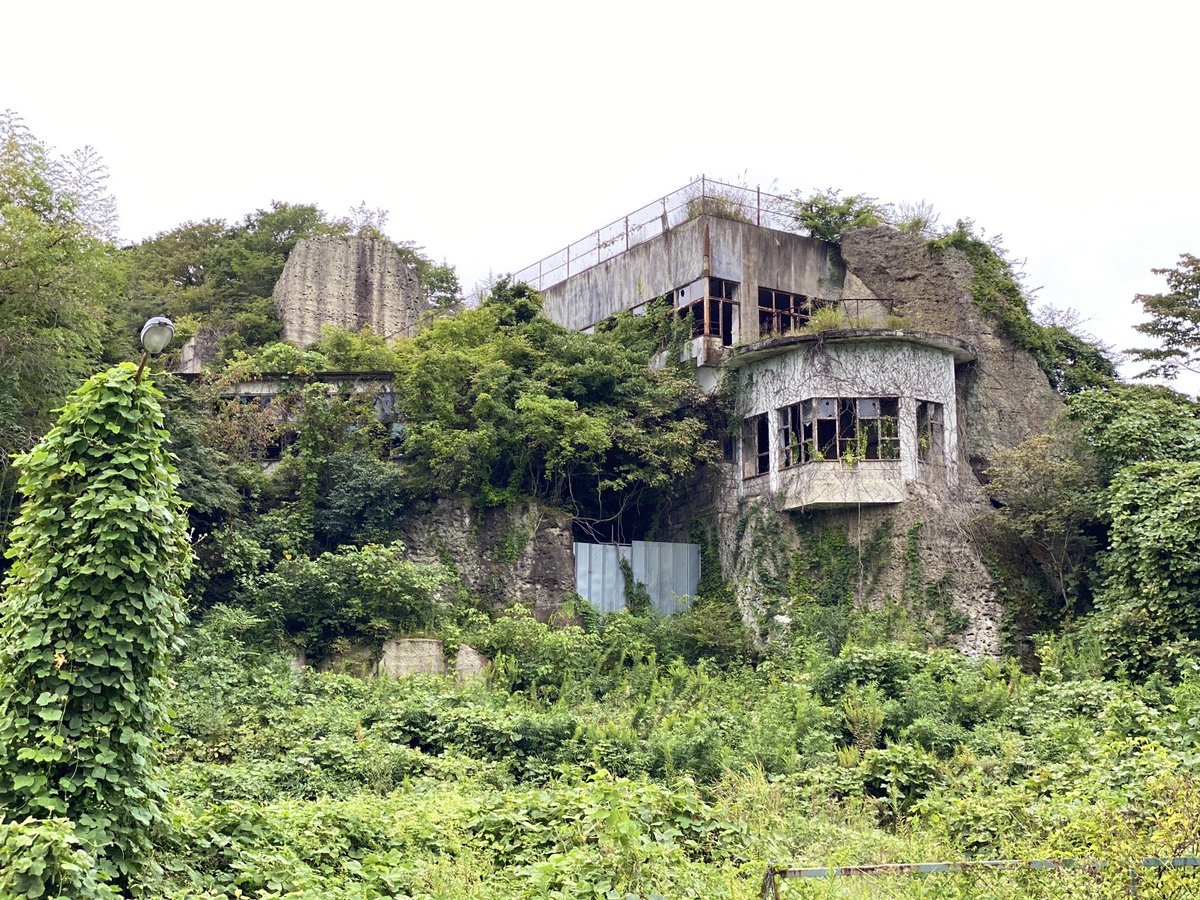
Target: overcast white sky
[494, 133]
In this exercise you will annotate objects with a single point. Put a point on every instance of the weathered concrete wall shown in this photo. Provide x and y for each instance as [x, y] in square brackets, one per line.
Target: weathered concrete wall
[200, 350]
[747, 254]
[647, 271]
[350, 283]
[400, 658]
[518, 554]
[411, 656]
[1008, 397]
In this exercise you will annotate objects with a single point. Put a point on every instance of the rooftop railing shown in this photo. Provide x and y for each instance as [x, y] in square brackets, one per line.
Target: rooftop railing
[700, 197]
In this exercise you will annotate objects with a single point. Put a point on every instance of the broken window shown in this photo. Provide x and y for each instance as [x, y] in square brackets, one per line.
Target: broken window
[930, 432]
[780, 312]
[839, 428]
[712, 316]
[756, 446]
[876, 435]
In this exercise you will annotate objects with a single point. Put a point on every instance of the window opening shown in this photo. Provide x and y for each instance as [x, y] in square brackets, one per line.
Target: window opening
[839, 428]
[780, 312]
[712, 316]
[756, 446]
[930, 432]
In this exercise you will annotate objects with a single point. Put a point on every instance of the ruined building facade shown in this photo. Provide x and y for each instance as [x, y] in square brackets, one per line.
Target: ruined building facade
[871, 389]
[349, 283]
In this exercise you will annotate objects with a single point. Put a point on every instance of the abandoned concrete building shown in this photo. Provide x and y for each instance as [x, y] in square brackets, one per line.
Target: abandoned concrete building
[871, 389]
[849, 413]
[872, 393]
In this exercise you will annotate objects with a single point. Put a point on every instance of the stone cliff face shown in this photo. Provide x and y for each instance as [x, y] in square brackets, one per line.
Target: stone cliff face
[350, 283]
[517, 554]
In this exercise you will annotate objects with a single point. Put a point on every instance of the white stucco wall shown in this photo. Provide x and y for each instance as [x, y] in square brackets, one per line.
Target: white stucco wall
[907, 368]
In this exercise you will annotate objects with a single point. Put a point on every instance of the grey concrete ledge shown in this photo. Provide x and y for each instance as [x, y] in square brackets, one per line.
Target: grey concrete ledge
[774, 346]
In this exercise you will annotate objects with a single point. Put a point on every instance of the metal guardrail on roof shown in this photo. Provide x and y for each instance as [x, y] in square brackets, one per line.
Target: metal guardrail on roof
[704, 195]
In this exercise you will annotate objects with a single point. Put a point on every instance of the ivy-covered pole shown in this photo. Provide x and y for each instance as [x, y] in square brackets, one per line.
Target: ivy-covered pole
[92, 607]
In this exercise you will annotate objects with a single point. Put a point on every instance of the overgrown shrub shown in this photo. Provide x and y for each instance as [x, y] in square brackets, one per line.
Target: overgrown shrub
[368, 592]
[44, 858]
[92, 610]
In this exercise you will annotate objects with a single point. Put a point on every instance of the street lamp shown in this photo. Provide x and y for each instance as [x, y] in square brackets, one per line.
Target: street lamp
[156, 334]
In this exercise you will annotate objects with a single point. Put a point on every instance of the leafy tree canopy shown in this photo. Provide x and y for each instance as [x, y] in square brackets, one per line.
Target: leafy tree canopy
[58, 282]
[827, 214]
[1174, 321]
[501, 402]
[1129, 424]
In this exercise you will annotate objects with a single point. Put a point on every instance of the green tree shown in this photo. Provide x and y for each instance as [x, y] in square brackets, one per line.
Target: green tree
[1174, 321]
[827, 214]
[500, 402]
[1149, 609]
[1128, 424]
[368, 592]
[58, 282]
[1050, 490]
[92, 608]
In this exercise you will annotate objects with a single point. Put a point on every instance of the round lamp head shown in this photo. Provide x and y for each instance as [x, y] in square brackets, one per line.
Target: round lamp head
[156, 334]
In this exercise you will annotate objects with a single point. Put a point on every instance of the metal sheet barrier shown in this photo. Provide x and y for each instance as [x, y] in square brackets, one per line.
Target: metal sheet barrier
[598, 576]
[1178, 877]
[670, 573]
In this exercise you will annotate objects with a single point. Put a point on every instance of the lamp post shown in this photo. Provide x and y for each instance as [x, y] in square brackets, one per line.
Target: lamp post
[156, 334]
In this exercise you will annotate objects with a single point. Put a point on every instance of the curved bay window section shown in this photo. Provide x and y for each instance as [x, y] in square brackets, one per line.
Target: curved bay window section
[852, 417]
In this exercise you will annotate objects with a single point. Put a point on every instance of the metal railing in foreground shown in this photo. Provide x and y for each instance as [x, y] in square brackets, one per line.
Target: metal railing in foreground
[1172, 878]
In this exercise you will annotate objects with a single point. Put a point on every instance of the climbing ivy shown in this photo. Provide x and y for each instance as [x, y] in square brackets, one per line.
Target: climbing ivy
[92, 606]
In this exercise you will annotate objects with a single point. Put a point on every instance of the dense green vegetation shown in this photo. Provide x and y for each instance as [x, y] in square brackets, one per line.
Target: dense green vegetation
[616, 763]
[625, 756]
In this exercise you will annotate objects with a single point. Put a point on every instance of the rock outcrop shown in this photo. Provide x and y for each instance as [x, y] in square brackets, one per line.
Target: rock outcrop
[1008, 397]
[517, 554]
[350, 283]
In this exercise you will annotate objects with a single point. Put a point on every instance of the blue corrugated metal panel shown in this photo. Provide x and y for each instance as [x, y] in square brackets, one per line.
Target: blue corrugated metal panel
[598, 577]
[670, 573]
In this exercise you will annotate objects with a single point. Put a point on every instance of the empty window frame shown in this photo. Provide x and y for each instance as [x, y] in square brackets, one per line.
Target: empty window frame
[839, 428]
[780, 311]
[930, 432]
[712, 316]
[756, 446]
